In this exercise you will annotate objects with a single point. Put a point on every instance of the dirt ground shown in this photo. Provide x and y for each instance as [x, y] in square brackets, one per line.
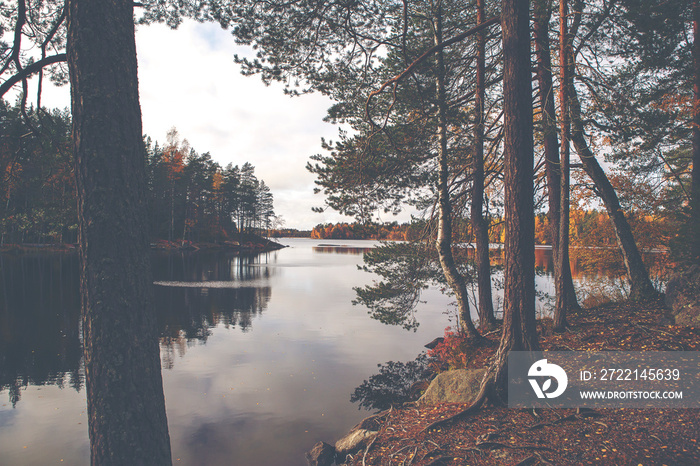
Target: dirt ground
[502, 436]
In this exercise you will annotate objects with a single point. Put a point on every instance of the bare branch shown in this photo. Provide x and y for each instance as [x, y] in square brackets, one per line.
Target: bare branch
[30, 70]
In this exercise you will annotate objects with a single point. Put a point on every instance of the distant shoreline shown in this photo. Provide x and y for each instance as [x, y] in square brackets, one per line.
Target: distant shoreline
[244, 243]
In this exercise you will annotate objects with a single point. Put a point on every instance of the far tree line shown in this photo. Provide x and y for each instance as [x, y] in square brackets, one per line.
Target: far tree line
[191, 197]
[589, 228]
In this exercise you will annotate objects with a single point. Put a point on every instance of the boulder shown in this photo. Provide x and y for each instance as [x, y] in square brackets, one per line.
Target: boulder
[683, 296]
[456, 386]
[322, 454]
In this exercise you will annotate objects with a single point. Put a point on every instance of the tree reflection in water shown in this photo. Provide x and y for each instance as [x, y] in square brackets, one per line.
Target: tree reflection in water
[396, 383]
[40, 338]
[39, 323]
[186, 315]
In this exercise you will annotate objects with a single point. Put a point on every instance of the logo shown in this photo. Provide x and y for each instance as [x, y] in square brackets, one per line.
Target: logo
[541, 369]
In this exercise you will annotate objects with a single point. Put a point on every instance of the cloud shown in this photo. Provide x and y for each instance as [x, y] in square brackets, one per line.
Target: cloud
[188, 80]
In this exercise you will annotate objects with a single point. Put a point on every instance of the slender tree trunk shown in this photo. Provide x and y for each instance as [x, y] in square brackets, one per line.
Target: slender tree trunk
[479, 224]
[171, 233]
[549, 136]
[695, 174]
[637, 274]
[126, 407]
[562, 257]
[444, 236]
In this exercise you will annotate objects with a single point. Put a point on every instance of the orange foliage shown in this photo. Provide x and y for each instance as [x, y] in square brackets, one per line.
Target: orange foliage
[452, 351]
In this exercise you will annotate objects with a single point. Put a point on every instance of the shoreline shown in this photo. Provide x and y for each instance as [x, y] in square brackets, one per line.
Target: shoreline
[500, 435]
[245, 243]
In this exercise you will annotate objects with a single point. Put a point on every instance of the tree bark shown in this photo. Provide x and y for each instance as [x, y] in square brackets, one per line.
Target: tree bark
[637, 274]
[126, 407]
[444, 236]
[562, 257]
[519, 326]
[480, 225]
[542, 15]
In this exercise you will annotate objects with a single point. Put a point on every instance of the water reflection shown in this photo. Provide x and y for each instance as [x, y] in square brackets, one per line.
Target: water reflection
[342, 249]
[210, 267]
[186, 315]
[39, 323]
[40, 340]
[260, 392]
[195, 292]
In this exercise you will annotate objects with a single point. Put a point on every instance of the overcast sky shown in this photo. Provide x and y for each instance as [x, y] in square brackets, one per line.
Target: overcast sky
[187, 79]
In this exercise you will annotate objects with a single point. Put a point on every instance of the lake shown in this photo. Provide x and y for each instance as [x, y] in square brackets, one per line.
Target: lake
[260, 353]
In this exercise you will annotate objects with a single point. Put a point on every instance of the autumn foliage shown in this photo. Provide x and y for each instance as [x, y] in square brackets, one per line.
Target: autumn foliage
[389, 232]
[453, 352]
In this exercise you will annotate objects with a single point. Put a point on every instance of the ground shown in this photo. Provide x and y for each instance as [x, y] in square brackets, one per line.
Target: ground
[502, 436]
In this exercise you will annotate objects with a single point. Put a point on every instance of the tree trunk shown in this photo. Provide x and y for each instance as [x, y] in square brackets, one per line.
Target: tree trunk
[519, 326]
[479, 224]
[640, 284]
[444, 236]
[562, 256]
[695, 174]
[126, 407]
[549, 136]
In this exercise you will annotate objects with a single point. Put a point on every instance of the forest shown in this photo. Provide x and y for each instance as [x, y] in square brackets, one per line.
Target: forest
[465, 110]
[190, 196]
[588, 228]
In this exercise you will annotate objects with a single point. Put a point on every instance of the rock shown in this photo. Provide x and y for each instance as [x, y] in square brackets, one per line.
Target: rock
[683, 296]
[360, 436]
[322, 454]
[417, 389]
[355, 441]
[434, 343]
[457, 386]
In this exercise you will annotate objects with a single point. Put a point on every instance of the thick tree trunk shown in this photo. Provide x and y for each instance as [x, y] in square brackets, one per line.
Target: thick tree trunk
[479, 224]
[542, 16]
[562, 256]
[519, 295]
[444, 236]
[637, 274]
[126, 407]
[519, 326]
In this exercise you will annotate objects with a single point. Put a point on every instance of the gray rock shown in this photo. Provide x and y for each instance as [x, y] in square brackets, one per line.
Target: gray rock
[322, 454]
[434, 343]
[360, 436]
[356, 440]
[457, 386]
[683, 296]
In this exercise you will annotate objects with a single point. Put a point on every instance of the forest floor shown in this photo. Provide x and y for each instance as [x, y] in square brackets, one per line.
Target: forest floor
[503, 436]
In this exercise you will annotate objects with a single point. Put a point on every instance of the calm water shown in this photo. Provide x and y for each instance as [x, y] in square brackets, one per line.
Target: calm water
[260, 354]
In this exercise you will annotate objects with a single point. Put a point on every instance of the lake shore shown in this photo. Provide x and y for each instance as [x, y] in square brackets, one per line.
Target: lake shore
[499, 435]
[245, 242]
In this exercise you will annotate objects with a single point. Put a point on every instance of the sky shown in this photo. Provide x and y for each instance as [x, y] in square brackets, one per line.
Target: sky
[188, 80]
